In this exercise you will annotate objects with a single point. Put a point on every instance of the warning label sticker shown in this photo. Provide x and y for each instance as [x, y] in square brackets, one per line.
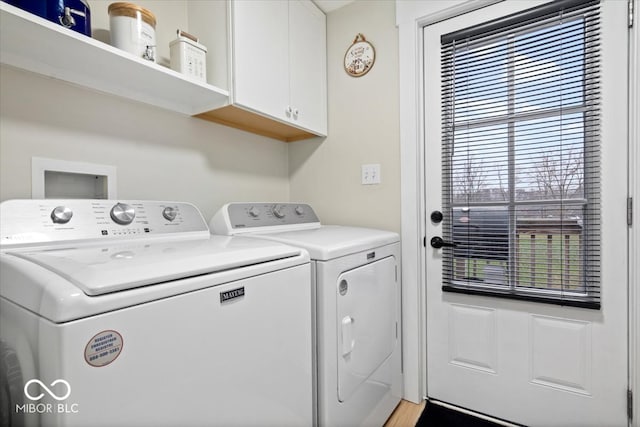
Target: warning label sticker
[103, 348]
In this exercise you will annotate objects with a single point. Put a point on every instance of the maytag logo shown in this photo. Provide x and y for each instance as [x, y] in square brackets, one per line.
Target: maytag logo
[232, 294]
[35, 390]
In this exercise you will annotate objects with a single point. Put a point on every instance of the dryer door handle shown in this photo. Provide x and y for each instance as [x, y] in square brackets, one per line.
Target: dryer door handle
[348, 343]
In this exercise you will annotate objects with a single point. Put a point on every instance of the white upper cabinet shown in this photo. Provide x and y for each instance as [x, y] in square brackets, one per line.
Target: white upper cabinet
[260, 56]
[278, 61]
[308, 66]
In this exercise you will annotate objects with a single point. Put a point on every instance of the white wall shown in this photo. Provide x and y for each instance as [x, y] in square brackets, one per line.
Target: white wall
[158, 154]
[363, 126]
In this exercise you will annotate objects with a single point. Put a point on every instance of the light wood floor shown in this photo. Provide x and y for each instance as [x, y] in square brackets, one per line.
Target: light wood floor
[405, 415]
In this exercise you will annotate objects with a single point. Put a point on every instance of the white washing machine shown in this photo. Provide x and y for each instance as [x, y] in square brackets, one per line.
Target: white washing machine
[356, 278]
[133, 314]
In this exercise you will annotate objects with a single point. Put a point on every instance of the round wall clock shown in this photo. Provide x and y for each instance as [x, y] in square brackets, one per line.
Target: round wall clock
[359, 57]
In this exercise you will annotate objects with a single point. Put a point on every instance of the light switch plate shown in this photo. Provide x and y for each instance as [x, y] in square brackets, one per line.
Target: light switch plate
[371, 174]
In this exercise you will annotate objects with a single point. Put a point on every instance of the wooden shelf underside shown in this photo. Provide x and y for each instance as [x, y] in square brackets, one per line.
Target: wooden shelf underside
[239, 118]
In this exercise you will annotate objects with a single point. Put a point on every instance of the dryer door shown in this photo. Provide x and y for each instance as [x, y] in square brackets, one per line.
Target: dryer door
[366, 310]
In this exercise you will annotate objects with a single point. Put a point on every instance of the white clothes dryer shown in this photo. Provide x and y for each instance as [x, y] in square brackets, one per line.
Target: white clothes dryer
[356, 277]
[133, 314]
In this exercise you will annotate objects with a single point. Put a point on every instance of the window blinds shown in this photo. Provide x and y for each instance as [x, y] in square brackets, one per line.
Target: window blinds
[521, 157]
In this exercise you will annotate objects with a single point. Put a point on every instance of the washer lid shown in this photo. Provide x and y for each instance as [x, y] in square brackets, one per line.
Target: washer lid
[98, 270]
[333, 241]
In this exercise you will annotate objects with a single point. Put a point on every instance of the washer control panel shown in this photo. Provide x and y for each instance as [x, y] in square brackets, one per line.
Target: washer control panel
[250, 215]
[29, 222]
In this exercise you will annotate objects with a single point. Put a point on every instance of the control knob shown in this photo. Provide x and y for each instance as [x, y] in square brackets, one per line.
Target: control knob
[278, 211]
[169, 213]
[122, 213]
[61, 215]
[254, 212]
[299, 210]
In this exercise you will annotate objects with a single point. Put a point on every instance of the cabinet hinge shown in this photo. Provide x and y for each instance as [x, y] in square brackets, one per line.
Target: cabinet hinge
[629, 211]
[630, 16]
[630, 404]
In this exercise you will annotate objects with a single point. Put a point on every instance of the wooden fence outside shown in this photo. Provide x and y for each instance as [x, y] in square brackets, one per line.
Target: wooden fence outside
[548, 255]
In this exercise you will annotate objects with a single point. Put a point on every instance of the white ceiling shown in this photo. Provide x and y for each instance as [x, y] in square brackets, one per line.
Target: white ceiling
[329, 5]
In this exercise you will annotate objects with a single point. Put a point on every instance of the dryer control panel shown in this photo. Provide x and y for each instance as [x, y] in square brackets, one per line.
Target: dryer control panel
[236, 218]
[31, 222]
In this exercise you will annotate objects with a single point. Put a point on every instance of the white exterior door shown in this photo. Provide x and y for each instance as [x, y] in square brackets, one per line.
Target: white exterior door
[534, 363]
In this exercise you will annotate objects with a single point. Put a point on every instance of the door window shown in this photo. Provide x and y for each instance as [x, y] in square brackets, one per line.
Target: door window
[521, 156]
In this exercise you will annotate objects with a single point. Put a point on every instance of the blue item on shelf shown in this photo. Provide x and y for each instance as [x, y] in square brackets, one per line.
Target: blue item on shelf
[72, 14]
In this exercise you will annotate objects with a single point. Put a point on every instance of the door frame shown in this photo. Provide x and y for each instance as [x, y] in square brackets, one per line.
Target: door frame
[634, 193]
[411, 17]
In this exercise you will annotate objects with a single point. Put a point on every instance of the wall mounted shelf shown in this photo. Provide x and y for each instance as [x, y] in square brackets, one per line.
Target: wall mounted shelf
[34, 44]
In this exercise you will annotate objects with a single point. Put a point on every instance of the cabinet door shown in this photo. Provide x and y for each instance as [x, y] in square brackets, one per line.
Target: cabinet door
[308, 66]
[260, 58]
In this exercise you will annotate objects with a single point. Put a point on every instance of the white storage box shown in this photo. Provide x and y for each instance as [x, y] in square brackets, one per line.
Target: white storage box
[189, 57]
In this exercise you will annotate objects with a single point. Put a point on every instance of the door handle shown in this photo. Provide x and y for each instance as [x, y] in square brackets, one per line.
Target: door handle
[437, 242]
[348, 343]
